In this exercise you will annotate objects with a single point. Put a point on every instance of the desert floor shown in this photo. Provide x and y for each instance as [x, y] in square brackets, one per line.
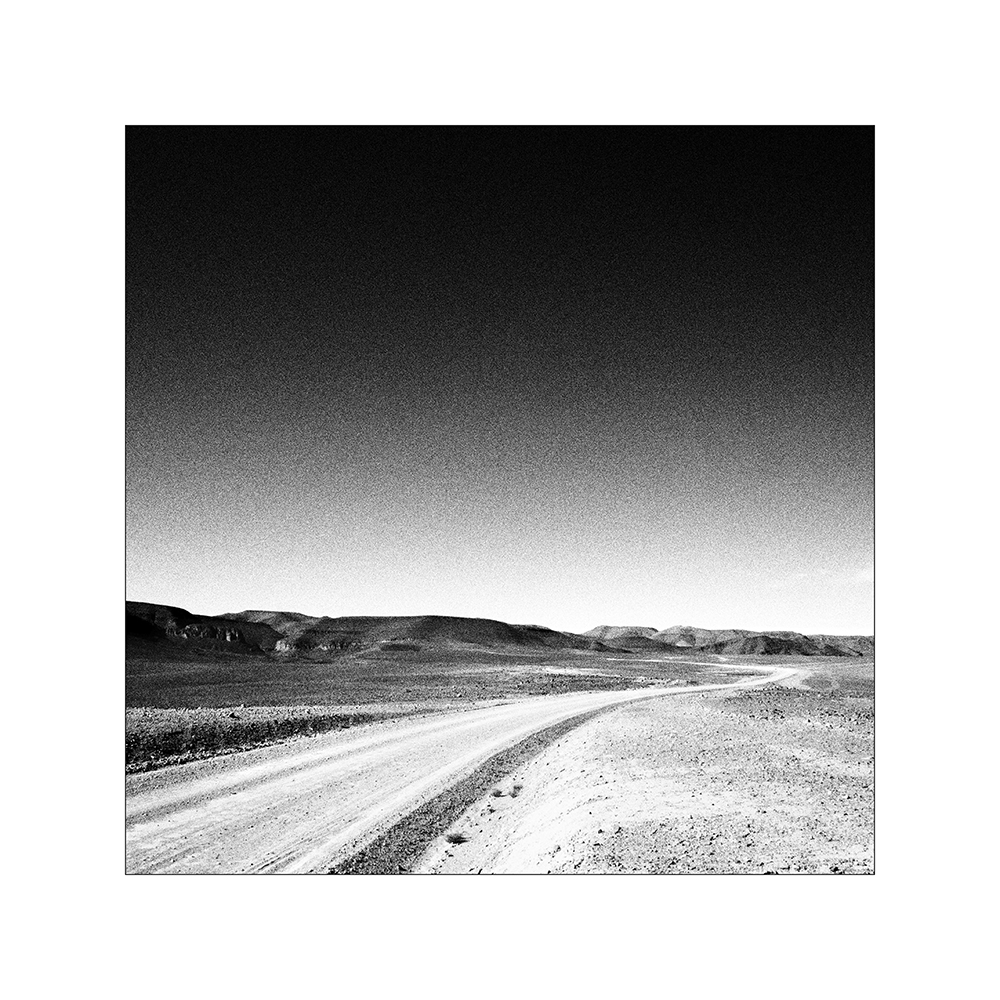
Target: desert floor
[776, 779]
[385, 788]
[751, 765]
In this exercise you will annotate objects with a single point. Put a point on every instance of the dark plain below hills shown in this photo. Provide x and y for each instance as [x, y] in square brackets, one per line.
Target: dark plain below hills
[157, 630]
[197, 685]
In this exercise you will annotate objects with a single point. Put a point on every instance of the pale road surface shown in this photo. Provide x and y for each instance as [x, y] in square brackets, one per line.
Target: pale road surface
[305, 806]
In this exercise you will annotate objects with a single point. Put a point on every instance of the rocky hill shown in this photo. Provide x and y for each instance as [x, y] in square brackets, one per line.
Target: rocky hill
[290, 625]
[861, 645]
[285, 633]
[158, 629]
[794, 643]
[690, 635]
[735, 642]
[625, 636]
[770, 644]
[159, 624]
[331, 635]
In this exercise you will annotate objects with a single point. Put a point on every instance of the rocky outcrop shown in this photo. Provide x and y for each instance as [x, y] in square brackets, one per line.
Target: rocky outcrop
[203, 630]
[737, 642]
[691, 635]
[289, 634]
[848, 645]
[160, 623]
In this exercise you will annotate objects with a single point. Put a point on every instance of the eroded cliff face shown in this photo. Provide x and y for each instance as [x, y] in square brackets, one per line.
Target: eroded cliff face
[288, 634]
[201, 630]
[161, 624]
[307, 645]
[742, 642]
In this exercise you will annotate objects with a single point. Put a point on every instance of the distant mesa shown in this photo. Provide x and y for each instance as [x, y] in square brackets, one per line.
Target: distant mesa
[611, 633]
[735, 642]
[690, 635]
[630, 637]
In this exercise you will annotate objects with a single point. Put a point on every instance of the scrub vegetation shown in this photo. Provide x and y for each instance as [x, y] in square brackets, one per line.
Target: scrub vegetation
[155, 737]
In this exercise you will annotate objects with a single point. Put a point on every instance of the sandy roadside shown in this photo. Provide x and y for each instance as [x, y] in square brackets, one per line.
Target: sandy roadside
[776, 779]
[309, 807]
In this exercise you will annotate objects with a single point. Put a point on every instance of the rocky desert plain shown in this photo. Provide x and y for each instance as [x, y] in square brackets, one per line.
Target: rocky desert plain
[275, 742]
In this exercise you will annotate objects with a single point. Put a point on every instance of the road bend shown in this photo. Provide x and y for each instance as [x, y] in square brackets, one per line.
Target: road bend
[305, 806]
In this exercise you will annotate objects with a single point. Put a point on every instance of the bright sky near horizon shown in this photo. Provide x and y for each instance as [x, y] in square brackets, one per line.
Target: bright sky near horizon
[558, 377]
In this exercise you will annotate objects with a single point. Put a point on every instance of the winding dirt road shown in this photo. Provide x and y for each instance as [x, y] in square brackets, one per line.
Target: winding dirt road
[305, 806]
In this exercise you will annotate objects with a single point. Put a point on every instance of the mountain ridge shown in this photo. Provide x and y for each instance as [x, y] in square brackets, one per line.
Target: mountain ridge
[159, 627]
[289, 633]
[742, 642]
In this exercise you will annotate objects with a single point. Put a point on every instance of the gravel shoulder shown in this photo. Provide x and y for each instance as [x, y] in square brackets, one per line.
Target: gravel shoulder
[309, 805]
[776, 779]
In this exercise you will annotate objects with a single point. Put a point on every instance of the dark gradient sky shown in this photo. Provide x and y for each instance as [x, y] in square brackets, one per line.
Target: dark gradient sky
[557, 376]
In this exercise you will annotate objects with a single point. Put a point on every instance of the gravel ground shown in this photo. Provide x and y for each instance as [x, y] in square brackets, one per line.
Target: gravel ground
[163, 737]
[770, 780]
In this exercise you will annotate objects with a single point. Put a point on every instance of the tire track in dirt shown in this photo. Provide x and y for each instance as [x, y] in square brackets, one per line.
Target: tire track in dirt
[281, 810]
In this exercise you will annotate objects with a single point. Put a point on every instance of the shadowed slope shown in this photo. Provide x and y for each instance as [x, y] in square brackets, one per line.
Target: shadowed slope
[735, 642]
[631, 638]
[363, 632]
[861, 645]
[690, 635]
[287, 633]
[615, 634]
[162, 624]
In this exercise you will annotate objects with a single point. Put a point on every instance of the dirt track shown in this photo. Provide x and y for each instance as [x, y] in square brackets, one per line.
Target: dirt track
[304, 807]
[776, 779]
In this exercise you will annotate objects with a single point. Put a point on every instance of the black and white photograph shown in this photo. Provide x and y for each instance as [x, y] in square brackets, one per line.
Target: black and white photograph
[488, 418]
[500, 499]
[489, 421]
